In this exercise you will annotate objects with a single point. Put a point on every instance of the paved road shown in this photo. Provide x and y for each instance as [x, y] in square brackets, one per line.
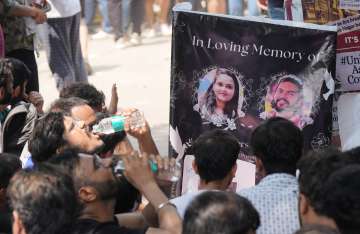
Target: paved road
[142, 75]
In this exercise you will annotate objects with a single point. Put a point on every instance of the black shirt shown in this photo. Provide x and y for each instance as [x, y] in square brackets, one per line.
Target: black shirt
[5, 222]
[90, 226]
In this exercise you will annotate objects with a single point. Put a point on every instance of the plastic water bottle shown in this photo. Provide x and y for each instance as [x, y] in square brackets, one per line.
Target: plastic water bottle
[171, 174]
[116, 123]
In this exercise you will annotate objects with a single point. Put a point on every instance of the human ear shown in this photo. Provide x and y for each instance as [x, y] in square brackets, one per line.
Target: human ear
[17, 91]
[303, 205]
[17, 226]
[260, 169]
[2, 92]
[87, 194]
[233, 170]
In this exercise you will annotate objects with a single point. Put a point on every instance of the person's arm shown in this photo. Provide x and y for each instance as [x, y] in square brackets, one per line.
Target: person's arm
[124, 147]
[20, 10]
[114, 100]
[138, 172]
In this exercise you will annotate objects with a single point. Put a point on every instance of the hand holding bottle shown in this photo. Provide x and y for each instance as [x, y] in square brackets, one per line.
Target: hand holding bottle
[132, 120]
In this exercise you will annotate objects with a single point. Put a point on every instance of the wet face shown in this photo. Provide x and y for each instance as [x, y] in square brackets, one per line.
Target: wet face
[224, 88]
[77, 134]
[98, 174]
[286, 96]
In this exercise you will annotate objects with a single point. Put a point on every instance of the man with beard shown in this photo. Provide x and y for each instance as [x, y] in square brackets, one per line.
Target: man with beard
[287, 100]
[96, 187]
[55, 132]
[20, 120]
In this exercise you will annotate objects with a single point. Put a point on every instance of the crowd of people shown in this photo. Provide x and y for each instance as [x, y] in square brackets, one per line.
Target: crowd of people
[63, 28]
[58, 176]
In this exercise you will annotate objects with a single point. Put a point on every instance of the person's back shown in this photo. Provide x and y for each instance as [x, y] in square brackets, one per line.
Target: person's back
[342, 199]
[20, 121]
[215, 154]
[216, 212]
[277, 145]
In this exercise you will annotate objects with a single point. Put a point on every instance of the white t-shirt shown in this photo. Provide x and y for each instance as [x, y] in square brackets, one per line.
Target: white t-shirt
[183, 201]
[63, 8]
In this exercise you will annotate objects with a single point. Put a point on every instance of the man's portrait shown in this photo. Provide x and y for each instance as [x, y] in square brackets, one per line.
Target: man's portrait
[285, 98]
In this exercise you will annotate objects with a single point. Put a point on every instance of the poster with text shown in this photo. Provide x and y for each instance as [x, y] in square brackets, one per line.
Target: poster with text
[349, 4]
[347, 54]
[233, 73]
[349, 125]
[317, 11]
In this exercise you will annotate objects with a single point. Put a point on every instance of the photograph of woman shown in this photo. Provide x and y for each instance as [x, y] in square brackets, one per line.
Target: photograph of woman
[220, 99]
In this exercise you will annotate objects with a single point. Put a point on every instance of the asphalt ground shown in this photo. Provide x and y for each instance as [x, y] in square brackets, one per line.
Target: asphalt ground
[142, 76]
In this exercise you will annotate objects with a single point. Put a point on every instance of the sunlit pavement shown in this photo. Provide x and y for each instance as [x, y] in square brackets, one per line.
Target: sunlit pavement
[142, 75]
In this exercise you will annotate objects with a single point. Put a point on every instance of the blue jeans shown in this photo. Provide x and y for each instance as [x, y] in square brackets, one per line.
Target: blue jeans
[275, 12]
[236, 7]
[89, 9]
[126, 9]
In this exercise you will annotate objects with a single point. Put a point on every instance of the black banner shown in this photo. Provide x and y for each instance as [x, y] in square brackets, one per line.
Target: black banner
[233, 73]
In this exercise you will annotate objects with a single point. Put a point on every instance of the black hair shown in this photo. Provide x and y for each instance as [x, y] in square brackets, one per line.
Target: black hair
[230, 107]
[20, 71]
[44, 199]
[47, 136]
[342, 199]
[6, 80]
[215, 154]
[9, 165]
[292, 79]
[352, 155]
[278, 143]
[315, 168]
[65, 105]
[88, 92]
[67, 160]
[220, 212]
[316, 229]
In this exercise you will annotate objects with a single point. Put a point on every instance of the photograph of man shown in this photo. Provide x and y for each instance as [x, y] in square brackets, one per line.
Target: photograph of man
[285, 98]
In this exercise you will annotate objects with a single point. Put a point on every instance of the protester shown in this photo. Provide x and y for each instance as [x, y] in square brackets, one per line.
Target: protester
[341, 201]
[9, 165]
[215, 154]
[215, 212]
[6, 87]
[19, 31]
[97, 187]
[277, 145]
[319, 193]
[63, 44]
[316, 229]
[56, 132]
[43, 201]
[88, 92]
[20, 120]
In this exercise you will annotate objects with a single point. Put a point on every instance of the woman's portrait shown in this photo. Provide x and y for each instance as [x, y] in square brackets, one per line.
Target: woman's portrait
[220, 97]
